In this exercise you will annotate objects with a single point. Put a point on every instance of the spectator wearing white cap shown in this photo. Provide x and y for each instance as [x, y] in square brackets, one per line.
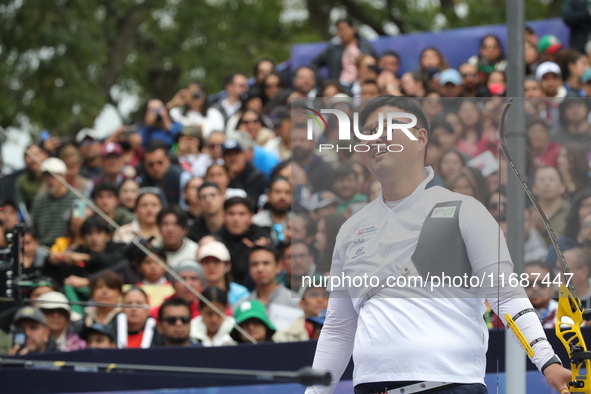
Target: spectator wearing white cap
[215, 259]
[51, 209]
[550, 76]
[59, 315]
[89, 145]
[450, 85]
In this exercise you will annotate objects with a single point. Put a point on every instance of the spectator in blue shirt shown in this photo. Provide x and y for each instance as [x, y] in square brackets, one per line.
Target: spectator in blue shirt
[158, 125]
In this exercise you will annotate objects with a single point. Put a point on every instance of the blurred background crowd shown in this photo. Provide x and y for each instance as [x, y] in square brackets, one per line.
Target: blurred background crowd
[229, 195]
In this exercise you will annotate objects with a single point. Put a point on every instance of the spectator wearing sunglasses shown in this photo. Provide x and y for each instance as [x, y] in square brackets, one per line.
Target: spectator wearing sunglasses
[471, 86]
[173, 323]
[252, 123]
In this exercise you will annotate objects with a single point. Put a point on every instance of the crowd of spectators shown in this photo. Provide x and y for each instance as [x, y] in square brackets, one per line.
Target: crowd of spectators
[196, 225]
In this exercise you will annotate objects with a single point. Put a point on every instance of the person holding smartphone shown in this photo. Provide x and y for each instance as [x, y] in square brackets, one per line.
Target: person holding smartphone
[31, 333]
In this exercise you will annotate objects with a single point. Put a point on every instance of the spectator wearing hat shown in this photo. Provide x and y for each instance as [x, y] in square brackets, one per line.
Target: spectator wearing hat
[89, 145]
[174, 227]
[38, 336]
[28, 184]
[113, 163]
[550, 76]
[51, 208]
[586, 82]
[575, 15]
[105, 197]
[58, 315]
[281, 145]
[98, 336]
[192, 273]
[158, 125]
[239, 235]
[211, 202]
[243, 174]
[277, 214]
[189, 146]
[210, 328]
[217, 265]
[322, 204]
[548, 47]
[174, 318]
[450, 82]
[252, 317]
[161, 173]
[314, 303]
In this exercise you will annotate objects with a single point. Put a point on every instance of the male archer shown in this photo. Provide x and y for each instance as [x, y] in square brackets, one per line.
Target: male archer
[403, 336]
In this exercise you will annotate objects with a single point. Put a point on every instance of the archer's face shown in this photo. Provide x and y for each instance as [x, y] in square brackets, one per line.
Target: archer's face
[379, 160]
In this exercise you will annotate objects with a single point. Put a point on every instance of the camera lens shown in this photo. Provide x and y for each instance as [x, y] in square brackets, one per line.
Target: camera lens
[196, 96]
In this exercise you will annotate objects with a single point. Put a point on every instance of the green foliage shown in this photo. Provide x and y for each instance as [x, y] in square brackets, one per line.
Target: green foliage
[60, 59]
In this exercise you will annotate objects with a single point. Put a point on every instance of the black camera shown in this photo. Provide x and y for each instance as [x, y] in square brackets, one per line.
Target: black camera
[10, 264]
[196, 95]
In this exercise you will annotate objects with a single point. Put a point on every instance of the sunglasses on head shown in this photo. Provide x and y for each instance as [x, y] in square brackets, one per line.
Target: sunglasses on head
[173, 319]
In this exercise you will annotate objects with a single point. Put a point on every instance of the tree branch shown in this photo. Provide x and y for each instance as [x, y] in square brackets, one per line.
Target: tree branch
[357, 12]
[395, 19]
[448, 9]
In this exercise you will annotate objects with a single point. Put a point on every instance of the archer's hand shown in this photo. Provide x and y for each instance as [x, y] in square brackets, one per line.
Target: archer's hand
[558, 377]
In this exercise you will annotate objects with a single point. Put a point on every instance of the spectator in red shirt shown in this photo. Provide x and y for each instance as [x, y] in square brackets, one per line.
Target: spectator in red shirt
[135, 326]
[544, 152]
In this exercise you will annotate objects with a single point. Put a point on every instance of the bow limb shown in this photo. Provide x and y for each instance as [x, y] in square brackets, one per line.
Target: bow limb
[570, 314]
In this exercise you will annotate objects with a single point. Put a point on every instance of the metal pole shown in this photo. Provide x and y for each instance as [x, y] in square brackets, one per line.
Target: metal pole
[515, 368]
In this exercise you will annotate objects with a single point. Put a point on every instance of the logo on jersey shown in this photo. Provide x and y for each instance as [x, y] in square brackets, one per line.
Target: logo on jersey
[444, 212]
[365, 231]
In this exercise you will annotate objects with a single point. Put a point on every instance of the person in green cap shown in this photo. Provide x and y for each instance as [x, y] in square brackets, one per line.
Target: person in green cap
[252, 317]
[548, 45]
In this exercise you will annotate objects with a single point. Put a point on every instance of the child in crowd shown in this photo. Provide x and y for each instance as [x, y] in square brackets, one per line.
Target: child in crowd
[210, 328]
